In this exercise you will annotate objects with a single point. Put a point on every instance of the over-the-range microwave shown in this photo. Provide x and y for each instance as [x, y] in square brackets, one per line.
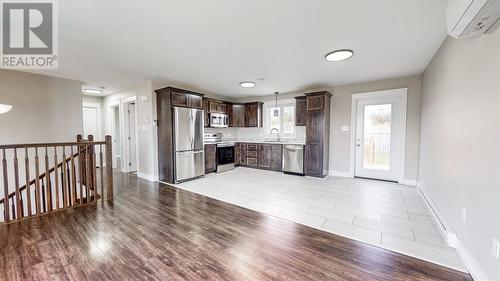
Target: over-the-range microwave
[218, 120]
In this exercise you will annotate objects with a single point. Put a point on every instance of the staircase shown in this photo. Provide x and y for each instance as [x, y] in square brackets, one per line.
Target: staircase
[65, 175]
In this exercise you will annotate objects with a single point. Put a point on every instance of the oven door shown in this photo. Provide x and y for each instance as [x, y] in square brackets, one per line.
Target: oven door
[225, 155]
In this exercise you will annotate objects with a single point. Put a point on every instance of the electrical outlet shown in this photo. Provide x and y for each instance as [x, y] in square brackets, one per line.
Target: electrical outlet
[495, 250]
[464, 215]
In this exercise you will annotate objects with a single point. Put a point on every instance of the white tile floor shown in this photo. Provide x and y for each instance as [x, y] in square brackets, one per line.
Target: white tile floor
[387, 215]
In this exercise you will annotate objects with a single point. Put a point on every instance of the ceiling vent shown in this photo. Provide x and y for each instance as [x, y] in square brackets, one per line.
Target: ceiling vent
[467, 18]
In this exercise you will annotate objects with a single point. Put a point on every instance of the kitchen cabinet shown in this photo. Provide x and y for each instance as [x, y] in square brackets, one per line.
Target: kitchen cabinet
[240, 115]
[210, 158]
[253, 114]
[276, 157]
[314, 160]
[166, 98]
[314, 127]
[264, 156]
[184, 98]
[317, 134]
[270, 157]
[217, 106]
[237, 117]
[206, 112]
[240, 154]
[251, 155]
[316, 103]
[300, 111]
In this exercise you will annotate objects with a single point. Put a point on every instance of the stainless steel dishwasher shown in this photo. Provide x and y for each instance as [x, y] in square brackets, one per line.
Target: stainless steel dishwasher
[293, 159]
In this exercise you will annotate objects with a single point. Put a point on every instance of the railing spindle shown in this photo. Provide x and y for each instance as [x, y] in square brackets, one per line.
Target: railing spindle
[64, 179]
[93, 169]
[87, 174]
[37, 183]
[13, 202]
[73, 177]
[5, 188]
[28, 186]
[16, 181]
[101, 172]
[47, 181]
[56, 179]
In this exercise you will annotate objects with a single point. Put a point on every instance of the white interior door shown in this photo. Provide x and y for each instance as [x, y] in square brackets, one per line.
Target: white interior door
[91, 122]
[379, 138]
[131, 138]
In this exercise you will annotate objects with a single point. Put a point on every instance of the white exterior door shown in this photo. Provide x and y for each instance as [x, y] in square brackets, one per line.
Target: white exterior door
[379, 139]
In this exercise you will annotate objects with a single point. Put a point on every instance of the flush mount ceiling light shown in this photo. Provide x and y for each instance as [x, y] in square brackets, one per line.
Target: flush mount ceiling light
[247, 84]
[339, 55]
[93, 91]
[4, 108]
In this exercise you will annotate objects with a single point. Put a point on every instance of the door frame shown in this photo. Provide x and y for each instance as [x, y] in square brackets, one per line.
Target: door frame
[124, 129]
[391, 93]
[97, 106]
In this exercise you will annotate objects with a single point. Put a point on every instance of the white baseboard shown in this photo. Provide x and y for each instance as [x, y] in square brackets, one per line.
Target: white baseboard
[472, 265]
[147, 177]
[341, 174]
[408, 182]
[451, 238]
[445, 229]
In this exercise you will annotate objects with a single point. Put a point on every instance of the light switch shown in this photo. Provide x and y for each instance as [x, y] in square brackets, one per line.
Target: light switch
[344, 128]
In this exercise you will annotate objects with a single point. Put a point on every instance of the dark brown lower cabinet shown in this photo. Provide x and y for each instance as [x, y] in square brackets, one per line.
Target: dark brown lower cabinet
[314, 160]
[264, 156]
[210, 158]
[240, 154]
[270, 157]
[276, 157]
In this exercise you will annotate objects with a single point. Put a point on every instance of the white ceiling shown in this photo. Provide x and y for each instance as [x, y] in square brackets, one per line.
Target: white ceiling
[213, 45]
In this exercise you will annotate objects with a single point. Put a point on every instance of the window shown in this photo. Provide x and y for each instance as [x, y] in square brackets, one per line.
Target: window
[284, 121]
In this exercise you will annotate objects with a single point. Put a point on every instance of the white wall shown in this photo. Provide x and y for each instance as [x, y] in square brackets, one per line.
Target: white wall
[46, 109]
[460, 144]
[146, 152]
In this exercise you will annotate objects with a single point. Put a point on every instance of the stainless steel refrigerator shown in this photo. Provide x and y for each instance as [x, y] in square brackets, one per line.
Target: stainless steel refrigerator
[189, 150]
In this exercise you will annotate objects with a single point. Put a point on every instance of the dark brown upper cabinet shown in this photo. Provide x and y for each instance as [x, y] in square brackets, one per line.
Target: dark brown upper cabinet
[216, 106]
[183, 98]
[237, 117]
[317, 134]
[316, 103]
[300, 111]
[206, 112]
[253, 114]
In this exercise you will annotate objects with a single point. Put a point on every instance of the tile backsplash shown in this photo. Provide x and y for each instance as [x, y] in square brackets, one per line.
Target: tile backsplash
[255, 133]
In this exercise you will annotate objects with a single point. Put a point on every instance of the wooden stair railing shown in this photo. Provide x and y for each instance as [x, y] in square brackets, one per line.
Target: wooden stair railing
[72, 182]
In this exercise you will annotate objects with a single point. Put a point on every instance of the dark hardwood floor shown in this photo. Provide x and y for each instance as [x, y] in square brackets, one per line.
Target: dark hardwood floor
[152, 231]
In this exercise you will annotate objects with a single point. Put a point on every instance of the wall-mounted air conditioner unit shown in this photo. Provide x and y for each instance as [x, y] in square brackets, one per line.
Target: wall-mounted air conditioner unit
[467, 18]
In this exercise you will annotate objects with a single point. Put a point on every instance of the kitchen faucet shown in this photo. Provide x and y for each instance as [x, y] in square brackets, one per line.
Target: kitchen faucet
[277, 132]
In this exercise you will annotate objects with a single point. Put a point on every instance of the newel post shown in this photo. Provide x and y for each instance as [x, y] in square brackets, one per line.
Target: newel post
[109, 167]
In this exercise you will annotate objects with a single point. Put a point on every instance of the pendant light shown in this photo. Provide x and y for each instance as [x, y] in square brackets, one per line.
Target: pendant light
[276, 110]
